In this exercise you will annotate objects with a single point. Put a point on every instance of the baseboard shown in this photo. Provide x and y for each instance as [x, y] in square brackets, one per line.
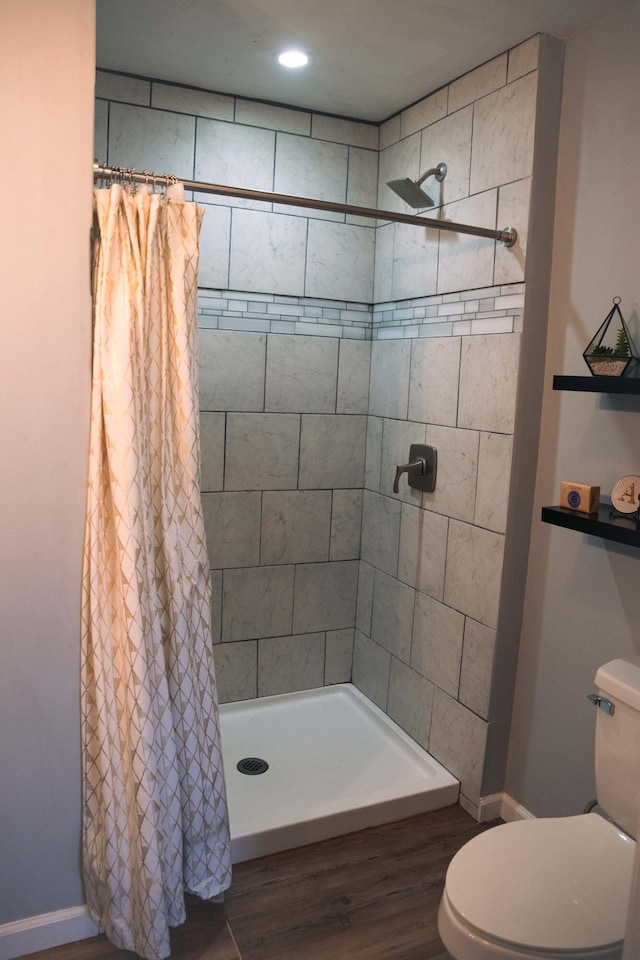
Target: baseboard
[44, 931]
[511, 810]
[493, 806]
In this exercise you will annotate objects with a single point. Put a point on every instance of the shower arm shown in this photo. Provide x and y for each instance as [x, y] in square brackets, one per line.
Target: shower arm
[438, 172]
[508, 236]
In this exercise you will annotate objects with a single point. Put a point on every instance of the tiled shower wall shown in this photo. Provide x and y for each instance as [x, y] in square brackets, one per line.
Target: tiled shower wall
[320, 334]
[248, 245]
[430, 570]
[447, 318]
[283, 427]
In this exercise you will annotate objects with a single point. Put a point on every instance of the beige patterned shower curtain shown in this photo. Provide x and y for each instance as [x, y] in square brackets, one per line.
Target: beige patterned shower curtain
[154, 806]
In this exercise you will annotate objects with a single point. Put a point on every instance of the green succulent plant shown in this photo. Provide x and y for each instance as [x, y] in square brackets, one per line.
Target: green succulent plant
[621, 348]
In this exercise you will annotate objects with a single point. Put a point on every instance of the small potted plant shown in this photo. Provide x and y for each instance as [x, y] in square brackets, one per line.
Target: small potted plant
[611, 352]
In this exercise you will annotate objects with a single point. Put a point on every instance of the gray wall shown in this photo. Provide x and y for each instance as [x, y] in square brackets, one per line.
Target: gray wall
[47, 67]
[582, 603]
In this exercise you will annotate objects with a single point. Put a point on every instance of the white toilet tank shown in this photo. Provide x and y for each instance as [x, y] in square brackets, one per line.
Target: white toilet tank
[617, 750]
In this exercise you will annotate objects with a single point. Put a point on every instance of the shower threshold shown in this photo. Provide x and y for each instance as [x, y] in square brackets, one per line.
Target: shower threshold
[336, 764]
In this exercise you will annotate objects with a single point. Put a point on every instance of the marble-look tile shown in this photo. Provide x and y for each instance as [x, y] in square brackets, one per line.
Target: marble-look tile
[423, 113]
[338, 656]
[114, 86]
[389, 385]
[272, 117]
[257, 602]
[436, 648]
[474, 571]
[477, 667]
[101, 130]
[216, 606]
[449, 141]
[415, 262]
[380, 532]
[494, 475]
[231, 370]
[262, 451]
[523, 58]
[397, 161]
[311, 168]
[371, 669]
[354, 366]
[513, 211]
[212, 426]
[353, 132]
[295, 526]
[340, 258]
[286, 664]
[503, 131]
[236, 666]
[458, 740]
[202, 103]
[325, 596]
[383, 269]
[346, 523]
[488, 382]
[151, 140]
[397, 437]
[267, 252]
[423, 550]
[389, 132]
[362, 182]
[478, 83]
[466, 262]
[302, 374]
[332, 450]
[364, 606]
[410, 702]
[373, 459]
[236, 155]
[455, 492]
[392, 618]
[232, 525]
[215, 237]
[433, 380]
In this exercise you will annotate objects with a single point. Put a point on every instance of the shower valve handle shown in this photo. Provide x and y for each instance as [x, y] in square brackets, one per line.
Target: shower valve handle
[416, 467]
[421, 468]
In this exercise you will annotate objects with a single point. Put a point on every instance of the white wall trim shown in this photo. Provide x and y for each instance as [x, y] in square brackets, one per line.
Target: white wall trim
[495, 805]
[45, 930]
[510, 810]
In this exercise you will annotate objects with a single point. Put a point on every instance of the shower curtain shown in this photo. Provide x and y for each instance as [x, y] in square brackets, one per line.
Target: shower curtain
[154, 806]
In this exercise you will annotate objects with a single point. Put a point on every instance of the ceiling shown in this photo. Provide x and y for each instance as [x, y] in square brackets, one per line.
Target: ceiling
[370, 58]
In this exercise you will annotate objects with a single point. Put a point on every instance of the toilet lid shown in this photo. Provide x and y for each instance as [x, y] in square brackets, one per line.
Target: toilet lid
[560, 883]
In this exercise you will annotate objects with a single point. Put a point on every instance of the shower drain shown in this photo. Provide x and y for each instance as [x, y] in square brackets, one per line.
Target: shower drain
[252, 766]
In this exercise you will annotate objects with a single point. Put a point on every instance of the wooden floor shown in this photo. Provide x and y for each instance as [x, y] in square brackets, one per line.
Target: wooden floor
[372, 895]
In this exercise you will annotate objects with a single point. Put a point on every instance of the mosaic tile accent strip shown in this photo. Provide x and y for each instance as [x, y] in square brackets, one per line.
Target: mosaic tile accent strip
[488, 310]
[273, 313]
[496, 309]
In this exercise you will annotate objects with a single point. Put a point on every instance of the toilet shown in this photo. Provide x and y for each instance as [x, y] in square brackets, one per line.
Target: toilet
[557, 888]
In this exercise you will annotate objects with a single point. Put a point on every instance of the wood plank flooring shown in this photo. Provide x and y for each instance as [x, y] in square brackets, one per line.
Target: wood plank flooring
[372, 895]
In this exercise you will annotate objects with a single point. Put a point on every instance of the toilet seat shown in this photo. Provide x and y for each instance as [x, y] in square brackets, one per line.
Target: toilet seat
[539, 888]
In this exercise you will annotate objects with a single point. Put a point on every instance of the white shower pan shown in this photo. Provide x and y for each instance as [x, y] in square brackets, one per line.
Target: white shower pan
[336, 763]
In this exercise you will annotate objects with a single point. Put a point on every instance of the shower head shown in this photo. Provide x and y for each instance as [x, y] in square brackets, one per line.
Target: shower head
[410, 192]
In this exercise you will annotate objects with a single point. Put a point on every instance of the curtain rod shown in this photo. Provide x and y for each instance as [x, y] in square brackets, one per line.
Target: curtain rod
[508, 236]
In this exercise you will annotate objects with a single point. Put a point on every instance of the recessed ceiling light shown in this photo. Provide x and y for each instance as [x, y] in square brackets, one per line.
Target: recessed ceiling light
[293, 58]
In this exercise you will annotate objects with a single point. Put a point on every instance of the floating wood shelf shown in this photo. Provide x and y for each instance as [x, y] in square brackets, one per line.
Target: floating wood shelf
[599, 524]
[628, 385]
